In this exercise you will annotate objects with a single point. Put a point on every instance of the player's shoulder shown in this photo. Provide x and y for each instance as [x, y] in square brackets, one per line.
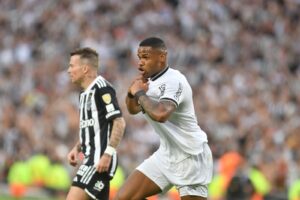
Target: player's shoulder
[102, 83]
[174, 74]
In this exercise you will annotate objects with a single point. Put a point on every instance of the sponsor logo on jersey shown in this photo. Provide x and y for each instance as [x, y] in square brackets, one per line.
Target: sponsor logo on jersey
[106, 98]
[99, 185]
[87, 123]
[110, 108]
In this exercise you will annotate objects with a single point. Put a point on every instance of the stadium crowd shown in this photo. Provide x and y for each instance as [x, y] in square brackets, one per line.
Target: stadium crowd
[242, 59]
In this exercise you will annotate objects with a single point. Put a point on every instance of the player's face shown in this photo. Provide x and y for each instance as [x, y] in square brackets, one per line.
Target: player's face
[151, 61]
[75, 69]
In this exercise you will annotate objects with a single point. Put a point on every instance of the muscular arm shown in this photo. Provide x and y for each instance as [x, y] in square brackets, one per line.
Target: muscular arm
[158, 111]
[117, 132]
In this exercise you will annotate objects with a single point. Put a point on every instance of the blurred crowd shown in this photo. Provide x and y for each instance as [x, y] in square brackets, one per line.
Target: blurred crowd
[242, 59]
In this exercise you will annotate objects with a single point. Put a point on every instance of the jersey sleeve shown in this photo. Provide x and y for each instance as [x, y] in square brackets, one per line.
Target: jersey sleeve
[108, 103]
[171, 91]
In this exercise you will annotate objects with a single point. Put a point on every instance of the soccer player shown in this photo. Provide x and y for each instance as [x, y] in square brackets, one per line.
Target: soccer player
[184, 158]
[101, 128]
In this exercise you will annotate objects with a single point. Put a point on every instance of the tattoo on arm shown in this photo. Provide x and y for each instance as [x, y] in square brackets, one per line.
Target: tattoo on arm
[117, 132]
[147, 104]
[157, 110]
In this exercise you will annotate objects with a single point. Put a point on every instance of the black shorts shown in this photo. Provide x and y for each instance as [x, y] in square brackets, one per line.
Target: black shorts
[95, 184]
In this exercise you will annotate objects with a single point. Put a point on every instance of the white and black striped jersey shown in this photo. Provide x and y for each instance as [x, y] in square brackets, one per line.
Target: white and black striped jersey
[98, 108]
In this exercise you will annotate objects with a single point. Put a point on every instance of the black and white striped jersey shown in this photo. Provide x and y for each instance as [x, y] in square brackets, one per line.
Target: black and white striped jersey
[98, 107]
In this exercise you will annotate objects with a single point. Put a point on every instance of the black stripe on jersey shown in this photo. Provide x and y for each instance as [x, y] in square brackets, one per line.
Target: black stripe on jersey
[169, 99]
[90, 128]
[82, 118]
[159, 74]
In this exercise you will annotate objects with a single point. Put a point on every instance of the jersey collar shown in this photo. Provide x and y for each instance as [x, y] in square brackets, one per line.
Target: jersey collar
[92, 83]
[159, 74]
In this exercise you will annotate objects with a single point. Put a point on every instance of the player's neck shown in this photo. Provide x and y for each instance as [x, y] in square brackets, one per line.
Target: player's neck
[162, 71]
[88, 80]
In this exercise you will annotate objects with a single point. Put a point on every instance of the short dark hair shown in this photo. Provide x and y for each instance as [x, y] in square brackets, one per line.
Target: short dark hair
[153, 42]
[88, 54]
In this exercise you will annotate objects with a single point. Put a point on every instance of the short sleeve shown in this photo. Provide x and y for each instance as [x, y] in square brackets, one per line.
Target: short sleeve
[172, 91]
[108, 103]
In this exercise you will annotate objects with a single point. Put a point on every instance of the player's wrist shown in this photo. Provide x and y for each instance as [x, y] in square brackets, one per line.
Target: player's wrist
[110, 150]
[77, 148]
[138, 94]
[130, 96]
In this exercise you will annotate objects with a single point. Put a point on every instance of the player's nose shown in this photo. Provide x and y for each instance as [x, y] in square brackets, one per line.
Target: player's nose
[141, 63]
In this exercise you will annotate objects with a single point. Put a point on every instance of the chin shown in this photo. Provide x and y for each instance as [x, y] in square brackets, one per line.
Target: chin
[145, 76]
[75, 81]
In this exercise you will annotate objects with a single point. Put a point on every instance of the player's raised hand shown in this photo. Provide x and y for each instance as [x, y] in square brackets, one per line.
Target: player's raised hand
[145, 80]
[138, 84]
[103, 164]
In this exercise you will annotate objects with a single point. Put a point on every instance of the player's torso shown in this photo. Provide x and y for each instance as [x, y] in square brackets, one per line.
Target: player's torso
[93, 126]
[180, 133]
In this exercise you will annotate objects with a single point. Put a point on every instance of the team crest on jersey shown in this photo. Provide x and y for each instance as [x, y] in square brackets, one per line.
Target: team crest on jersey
[178, 93]
[162, 89]
[106, 98]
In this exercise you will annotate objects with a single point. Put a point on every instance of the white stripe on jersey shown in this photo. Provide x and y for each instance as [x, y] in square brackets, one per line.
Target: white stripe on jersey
[88, 176]
[97, 138]
[87, 170]
[81, 103]
[87, 131]
[101, 83]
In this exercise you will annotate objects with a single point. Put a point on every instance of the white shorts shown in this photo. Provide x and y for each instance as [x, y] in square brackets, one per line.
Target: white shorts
[190, 176]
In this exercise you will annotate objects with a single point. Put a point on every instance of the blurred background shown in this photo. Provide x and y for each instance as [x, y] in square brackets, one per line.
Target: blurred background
[242, 59]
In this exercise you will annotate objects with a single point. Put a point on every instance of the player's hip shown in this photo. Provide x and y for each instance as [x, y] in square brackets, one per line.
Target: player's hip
[187, 169]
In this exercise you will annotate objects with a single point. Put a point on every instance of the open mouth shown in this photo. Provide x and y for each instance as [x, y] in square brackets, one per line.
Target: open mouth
[142, 71]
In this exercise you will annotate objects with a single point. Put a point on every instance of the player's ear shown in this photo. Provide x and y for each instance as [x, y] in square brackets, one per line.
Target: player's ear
[163, 56]
[85, 68]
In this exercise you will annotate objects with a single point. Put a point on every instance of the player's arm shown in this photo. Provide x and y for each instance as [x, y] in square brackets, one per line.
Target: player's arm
[117, 132]
[158, 111]
[107, 102]
[73, 154]
[115, 138]
[132, 104]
